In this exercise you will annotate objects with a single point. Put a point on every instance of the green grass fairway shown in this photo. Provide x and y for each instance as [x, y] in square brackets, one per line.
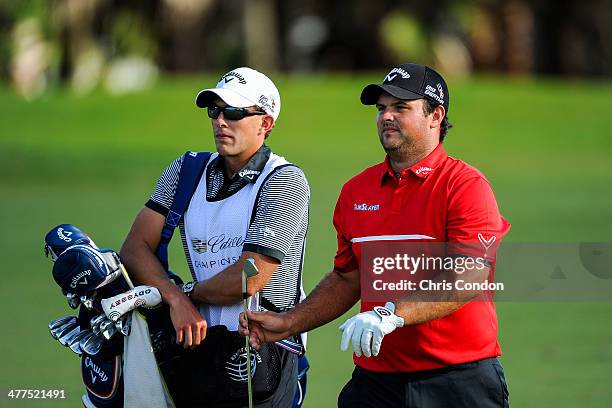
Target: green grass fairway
[545, 146]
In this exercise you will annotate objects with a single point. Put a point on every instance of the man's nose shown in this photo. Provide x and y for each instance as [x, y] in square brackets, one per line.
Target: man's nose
[385, 115]
[220, 121]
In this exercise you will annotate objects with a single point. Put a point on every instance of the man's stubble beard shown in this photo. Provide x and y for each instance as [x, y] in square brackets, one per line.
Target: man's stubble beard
[400, 150]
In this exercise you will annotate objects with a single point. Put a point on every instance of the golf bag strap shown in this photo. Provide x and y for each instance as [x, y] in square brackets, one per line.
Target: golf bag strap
[191, 171]
[295, 347]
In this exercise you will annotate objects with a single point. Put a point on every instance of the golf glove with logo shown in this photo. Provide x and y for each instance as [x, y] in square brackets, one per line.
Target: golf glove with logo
[366, 330]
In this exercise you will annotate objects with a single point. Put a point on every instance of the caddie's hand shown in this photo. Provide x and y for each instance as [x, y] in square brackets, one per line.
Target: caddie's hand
[366, 330]
[264, 327]
[190, 326]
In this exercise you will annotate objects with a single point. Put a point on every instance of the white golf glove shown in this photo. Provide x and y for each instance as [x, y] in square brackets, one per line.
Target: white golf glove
[141, 296]
[367, 329]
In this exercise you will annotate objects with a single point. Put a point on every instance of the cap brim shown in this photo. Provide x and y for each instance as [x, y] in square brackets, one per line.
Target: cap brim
[206, 96]
[371, 93]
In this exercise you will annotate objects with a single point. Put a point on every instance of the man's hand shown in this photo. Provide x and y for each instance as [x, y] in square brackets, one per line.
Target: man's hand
[264, 327]
[190, 326]
[367, 329]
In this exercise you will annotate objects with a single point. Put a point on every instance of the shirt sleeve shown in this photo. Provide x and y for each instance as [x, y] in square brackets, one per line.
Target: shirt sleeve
[345, 259]
[474, 223]
[163, 196]
[282, 209]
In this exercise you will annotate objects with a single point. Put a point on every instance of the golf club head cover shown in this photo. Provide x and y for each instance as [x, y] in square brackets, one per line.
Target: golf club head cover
[62, 237]
[81, 269]
[141, 296]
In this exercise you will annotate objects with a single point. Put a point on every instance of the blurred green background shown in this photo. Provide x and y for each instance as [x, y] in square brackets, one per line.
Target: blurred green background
[93, 161]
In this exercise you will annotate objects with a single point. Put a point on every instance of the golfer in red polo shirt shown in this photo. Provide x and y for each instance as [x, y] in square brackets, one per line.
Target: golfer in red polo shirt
[426, 347]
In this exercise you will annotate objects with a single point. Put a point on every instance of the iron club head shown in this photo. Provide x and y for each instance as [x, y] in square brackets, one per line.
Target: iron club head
[54, 324]
[63, 329]
[92, 344]
[87, 300]
[86, 339]
[107, 329]
[123, 325]
[74, 343]
[96, 320]
[250, 269]
[67, 337]
[73, 300]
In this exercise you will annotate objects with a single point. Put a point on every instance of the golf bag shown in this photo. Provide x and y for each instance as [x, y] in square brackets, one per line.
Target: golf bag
[87, 275]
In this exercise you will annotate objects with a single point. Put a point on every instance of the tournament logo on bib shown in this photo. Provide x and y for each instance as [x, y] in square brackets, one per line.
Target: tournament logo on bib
[199, 245]
[236, 366]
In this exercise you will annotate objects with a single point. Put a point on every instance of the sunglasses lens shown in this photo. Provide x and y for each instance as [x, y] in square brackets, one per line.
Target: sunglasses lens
[232, 113]
[213, 112]
[229, 112]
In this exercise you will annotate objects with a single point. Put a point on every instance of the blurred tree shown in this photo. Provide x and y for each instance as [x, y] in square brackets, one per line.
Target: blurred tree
[184, 26]
[573, 38]
[261, 34]
[82, 58]
[77, 41]
[349, 32]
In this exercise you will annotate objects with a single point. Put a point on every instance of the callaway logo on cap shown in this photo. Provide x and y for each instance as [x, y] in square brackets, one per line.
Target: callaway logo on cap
[241, 88]
[409, 82]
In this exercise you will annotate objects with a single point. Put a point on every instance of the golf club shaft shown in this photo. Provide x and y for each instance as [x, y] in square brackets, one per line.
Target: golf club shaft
[126, 276]
[248, 351]
[249, 269]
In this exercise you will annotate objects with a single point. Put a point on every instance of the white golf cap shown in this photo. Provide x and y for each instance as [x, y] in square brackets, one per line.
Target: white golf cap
[243, 87]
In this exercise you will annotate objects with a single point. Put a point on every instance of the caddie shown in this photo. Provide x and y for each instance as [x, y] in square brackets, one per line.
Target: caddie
[422, 349]
[248, 203]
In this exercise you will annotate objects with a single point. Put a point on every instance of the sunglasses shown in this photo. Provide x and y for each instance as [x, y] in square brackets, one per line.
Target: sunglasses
[231, 112]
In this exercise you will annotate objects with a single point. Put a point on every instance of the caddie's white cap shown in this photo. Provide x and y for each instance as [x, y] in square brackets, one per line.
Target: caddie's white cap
[243, 87]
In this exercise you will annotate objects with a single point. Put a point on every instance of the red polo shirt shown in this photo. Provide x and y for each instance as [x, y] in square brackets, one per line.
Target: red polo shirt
[441, 198]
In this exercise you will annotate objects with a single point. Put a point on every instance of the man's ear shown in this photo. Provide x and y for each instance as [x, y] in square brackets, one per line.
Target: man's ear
[438, 115]
[267, 124]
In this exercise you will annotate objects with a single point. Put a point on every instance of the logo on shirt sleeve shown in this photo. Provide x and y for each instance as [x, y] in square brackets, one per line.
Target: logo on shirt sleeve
[267, 232]
[486, 242]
